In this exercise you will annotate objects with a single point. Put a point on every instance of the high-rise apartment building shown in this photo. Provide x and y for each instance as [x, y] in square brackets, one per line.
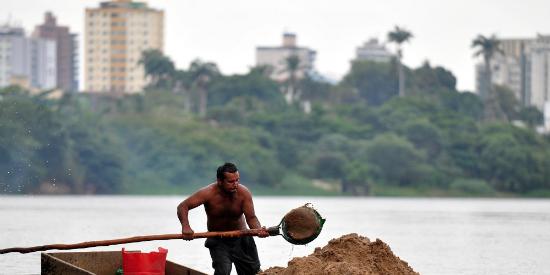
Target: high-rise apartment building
[523, 67]
[276, 58]
[117, 33]
[540, 72]
[509, 68]
[24, 61]
[506, 71]
[66, 51]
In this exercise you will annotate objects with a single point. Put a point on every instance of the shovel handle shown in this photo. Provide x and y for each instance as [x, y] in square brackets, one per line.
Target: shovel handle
[274, 230]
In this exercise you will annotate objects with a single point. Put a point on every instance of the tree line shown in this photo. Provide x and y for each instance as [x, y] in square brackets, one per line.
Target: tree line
[365, 135]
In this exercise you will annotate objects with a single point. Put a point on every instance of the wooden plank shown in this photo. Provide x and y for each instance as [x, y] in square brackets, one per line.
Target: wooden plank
[96, 263]
[173, 269]
[53, 266]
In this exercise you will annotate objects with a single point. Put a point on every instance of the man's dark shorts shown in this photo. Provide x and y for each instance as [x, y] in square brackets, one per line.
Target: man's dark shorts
[240, 251]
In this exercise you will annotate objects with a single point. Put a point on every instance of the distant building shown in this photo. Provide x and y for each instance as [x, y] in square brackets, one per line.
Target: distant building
[116, 35]
[373, 51]
[540, 72]
[276, 58]
[506, 71]
[24, 61]
[66, 52]
[523, 68]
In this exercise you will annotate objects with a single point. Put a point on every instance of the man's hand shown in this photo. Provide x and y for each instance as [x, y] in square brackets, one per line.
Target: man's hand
[187, 233]
[263, 232]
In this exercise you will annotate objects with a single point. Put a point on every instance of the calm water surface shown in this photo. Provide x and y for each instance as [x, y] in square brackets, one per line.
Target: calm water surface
[435, 236]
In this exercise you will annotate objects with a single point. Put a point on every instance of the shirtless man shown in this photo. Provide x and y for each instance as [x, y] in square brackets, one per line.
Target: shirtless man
[228, 205]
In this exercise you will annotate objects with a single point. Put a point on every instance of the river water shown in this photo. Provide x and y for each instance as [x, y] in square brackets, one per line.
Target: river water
[435, 236]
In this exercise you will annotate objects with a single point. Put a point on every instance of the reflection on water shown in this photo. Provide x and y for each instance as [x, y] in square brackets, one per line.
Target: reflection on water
[435, 236]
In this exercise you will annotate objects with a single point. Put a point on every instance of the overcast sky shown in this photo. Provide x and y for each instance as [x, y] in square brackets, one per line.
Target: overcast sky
[227, 32]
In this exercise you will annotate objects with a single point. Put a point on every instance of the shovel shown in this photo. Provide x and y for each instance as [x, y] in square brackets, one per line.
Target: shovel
[299, 226]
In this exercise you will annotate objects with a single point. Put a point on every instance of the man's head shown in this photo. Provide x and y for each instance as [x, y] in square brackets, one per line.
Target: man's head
[227, 177]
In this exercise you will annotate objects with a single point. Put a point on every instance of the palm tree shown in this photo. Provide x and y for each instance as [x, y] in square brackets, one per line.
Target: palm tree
[292, 65]
[488, 47]
[202, 74]
[399, 36]
[157, 66]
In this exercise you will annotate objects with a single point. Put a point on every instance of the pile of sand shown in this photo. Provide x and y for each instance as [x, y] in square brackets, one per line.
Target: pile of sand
[349, 254]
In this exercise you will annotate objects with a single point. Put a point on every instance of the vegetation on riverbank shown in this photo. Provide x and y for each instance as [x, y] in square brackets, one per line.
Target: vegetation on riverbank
[358, 137]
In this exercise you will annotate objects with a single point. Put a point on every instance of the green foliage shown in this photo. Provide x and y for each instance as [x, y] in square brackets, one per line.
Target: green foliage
[41, 149]
[400, 110]
[513, 159]
[507, 102]
[260, 92]
[158, 67]
[399, 35]
[487, 46]
[463, 104]
[25, 130]
[431, 80]
[375, 82]
[357, 178]
[395, 161]
[358, 139]
[185, 152]
[531, 116]
[425, 136]
[314, 91]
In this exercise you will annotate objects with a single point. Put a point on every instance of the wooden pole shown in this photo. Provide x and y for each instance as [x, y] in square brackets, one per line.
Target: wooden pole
[226, 234]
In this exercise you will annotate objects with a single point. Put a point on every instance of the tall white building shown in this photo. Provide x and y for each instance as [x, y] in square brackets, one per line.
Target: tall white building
[540, 72]
[524, 68]
[276, 58]
[372, 50]
[117, 33]
[28, 62]
[66, 51]
[506, 71]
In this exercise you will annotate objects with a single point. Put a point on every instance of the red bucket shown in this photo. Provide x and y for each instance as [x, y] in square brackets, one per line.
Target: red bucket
[138, 263]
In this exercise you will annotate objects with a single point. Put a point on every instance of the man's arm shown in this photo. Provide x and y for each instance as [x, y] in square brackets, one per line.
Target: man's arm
[250, 215]
[198, 198]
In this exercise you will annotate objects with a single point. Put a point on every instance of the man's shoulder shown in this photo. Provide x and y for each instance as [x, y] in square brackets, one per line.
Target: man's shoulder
[244, 190]
[210, 189]
[206, 191]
